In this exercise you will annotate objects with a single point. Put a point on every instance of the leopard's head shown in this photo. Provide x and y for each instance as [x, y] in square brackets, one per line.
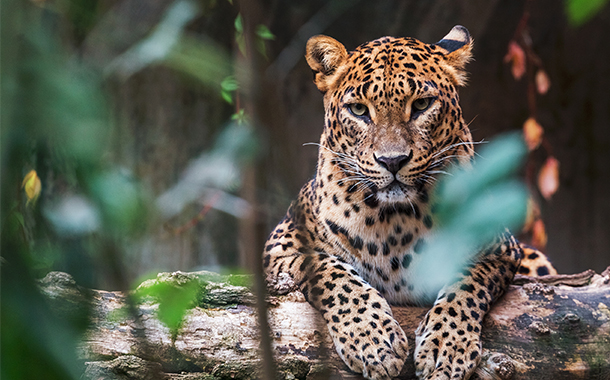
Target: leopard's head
[392, 117]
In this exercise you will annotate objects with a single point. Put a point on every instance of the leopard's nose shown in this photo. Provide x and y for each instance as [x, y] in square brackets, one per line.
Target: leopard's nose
[394, 163]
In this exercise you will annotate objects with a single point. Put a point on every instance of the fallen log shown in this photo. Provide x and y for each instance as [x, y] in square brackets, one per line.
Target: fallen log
[552, 327]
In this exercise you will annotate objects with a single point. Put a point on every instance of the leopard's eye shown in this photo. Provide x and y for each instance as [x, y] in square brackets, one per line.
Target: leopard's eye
[421, 104]
[358, 109]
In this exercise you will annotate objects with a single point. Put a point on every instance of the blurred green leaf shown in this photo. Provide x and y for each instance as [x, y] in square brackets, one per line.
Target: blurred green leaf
[201, 59]
[174, 301]
[581, 11]
[472, 207]
[229, 83]
[239, 27]
[241, 43]
[496, 162]
[240, 117]
[239, 34]
[226, 96]
[263, 32]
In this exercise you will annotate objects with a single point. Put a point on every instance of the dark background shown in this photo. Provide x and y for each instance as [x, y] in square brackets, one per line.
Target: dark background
[164, 119]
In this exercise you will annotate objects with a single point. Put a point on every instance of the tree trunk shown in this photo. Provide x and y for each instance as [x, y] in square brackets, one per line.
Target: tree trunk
[553, 327]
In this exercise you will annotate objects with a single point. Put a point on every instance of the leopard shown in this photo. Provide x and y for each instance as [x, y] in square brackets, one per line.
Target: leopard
[534, 263]
[352, 239]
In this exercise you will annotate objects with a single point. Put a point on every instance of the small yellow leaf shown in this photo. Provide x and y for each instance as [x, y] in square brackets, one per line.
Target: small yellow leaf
[532, 133]
[32, 186]
[516, 56]
[548, 178]
[543, 83]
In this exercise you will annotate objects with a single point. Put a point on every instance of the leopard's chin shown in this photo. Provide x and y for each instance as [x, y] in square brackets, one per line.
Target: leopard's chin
[396, 192]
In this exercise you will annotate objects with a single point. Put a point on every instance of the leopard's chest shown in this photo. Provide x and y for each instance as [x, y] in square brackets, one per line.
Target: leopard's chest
[383, 242]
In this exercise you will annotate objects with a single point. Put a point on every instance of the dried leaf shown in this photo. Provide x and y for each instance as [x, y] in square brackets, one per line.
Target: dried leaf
[539, 237]
[532, 133]
[548, 178]
[32, 186]
[542, 82]
[516, 56]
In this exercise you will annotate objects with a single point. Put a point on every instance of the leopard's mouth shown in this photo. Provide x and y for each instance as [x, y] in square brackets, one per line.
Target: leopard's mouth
[397, 191]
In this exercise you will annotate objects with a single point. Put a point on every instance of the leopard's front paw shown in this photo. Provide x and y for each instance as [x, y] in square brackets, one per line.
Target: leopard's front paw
[368, 338]
[446, 348]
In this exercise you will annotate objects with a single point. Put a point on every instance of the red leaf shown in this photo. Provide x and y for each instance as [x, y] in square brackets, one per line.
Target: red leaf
[542, 82]
[548, 178]
[539, 237]
[516, 56]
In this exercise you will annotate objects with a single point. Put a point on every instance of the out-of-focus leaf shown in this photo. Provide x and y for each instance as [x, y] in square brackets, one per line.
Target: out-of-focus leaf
[548, 178]
[497, 161]
[539, 237]
[516, 57]
[263, 32]
[543, 83]
[64, 104]
[532, 133]
[202, 59]
[240, 117]
[174, 301]
[240, 39]
[31, 184]
[239, 24]
[580, 11]
[239, 34]
[226, 96]
[473, 207]
[229, 83]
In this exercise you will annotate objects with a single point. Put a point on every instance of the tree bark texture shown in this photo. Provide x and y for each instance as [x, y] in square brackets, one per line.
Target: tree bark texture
[553, 327]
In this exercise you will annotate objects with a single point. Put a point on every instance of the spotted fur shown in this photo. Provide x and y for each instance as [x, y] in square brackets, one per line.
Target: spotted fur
[351, 239]
[535, 263]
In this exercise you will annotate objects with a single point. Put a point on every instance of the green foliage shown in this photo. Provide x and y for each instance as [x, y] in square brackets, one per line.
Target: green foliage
[581, 11]
[202, 59]
[174, 301]
[262, 34]
[228, 86]
[472, 206]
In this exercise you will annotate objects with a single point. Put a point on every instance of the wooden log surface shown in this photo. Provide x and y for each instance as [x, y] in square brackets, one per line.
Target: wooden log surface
[553, 327]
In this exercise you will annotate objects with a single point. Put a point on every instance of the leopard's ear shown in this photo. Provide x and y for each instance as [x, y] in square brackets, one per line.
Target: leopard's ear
[458, 46]
[324, 56]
